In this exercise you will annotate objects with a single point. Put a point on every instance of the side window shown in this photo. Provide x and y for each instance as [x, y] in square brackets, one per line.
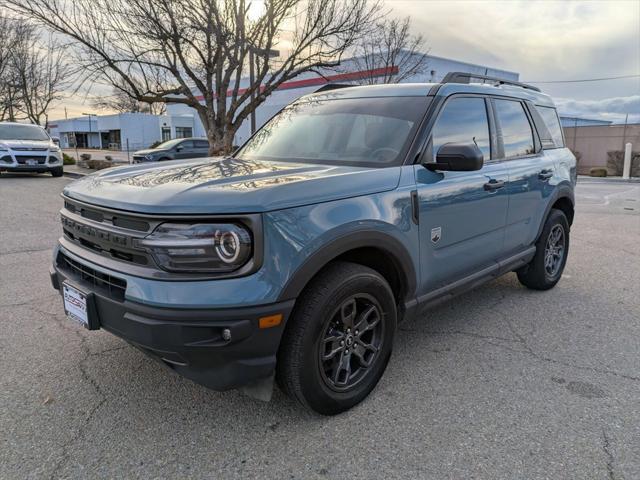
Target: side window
[187, 145]
[463, 120]
[201, 144]
[550, 117]
[517, 135]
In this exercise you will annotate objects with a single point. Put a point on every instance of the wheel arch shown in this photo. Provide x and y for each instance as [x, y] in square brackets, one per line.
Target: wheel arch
[563, 200]
[379, 251]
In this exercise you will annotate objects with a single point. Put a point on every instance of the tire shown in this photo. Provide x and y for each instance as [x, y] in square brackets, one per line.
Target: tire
[345, 295]
[538, 274]
[57, 172]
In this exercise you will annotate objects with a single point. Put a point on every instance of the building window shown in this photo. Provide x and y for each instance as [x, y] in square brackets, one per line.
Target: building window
[184, 132]
[166, 133]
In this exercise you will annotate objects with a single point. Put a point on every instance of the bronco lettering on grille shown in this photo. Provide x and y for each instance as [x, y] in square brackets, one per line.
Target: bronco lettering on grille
[92, 232]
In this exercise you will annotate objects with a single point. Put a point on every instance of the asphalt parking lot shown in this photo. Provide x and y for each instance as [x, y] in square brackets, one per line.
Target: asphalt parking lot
[503, 382]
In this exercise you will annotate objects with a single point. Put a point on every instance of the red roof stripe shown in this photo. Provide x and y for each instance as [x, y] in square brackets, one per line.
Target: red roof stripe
[310, 82]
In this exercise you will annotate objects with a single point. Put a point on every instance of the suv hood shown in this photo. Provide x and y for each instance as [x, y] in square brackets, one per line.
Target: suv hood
[227, 185]
[27, 144]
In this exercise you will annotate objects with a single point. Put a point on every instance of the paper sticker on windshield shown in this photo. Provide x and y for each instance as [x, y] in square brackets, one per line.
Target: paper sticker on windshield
[436, 234]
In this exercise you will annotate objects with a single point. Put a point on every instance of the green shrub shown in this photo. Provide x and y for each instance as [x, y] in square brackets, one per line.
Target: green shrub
[598, 172]
[68, 159]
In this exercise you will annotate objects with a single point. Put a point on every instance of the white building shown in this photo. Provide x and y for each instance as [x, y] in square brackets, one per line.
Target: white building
[437, 68]
[134, 131]
[123, 131]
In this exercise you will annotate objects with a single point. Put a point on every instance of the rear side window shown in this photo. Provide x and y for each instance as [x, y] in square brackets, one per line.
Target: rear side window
[202, 144]
[517, 134]
[550, 117]
[463, 120]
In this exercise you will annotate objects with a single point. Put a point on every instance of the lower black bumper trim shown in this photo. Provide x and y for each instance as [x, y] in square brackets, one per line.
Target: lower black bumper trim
[193, 342]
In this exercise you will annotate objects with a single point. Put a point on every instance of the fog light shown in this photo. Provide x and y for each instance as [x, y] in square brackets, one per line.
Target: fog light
[226, 334]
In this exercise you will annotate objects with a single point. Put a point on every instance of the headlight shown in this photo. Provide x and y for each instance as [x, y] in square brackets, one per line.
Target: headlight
[202, 247]
[149, 157]
[54, 149]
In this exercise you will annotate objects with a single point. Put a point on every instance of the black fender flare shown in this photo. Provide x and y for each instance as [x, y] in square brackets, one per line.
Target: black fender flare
[562, 191]
[351, 241]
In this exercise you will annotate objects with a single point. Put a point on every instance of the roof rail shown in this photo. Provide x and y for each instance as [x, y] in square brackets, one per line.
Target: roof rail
[332, 86]
[463, 77]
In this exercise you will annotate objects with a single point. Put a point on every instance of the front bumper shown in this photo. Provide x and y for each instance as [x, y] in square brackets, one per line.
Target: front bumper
[190, 341]
[11, 161]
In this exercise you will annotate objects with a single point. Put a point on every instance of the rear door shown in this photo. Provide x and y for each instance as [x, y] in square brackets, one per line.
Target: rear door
[201, 148]
[462, 214]
[530, 172]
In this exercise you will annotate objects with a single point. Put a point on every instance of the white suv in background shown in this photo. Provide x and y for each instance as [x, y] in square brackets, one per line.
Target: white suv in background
[28, 148]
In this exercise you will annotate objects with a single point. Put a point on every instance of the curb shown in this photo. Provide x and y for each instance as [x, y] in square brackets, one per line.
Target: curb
[583, 178]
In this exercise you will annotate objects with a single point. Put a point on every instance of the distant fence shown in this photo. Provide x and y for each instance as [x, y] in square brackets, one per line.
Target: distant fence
[601, 145]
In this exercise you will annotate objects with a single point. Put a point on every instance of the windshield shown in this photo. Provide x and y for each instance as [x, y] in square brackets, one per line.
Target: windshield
[169, 144]
[366, 132]
[22, 132]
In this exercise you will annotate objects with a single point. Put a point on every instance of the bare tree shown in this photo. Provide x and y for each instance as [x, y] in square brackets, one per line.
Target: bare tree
[12, 34]
[390, 53]
[121, 102]
[42, 75]
[196, 52]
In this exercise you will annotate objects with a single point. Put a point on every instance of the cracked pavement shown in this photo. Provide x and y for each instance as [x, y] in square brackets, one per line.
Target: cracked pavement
[502, 382]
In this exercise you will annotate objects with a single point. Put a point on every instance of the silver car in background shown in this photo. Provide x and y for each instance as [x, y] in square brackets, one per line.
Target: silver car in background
[28, 148]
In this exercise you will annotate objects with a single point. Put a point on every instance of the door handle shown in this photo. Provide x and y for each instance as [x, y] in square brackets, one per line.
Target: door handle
[493, 184]
[545, 174]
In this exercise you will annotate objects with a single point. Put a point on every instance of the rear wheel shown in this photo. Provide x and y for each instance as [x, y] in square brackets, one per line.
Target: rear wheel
[338, 341]
[546, 267]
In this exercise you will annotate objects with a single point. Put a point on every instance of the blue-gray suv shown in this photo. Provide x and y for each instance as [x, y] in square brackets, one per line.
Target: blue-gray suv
[295, 258]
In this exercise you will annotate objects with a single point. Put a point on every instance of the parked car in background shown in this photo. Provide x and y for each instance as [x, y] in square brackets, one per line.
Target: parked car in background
[28, 148]
[296, 257]
[176, 149]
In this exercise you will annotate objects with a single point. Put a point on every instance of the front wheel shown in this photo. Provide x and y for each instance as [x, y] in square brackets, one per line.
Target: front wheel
[552, 248]
[338, 341]
[57, 172]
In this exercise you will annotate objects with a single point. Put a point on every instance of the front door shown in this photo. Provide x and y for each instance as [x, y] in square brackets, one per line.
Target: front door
[462, 214]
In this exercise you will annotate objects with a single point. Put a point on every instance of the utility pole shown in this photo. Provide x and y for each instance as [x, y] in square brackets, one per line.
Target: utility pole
[624, 132]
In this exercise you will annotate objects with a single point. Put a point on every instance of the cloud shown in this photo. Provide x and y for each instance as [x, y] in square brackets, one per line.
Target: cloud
[614, 109]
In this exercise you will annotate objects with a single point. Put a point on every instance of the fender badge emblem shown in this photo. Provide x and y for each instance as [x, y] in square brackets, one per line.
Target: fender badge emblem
[436, 234]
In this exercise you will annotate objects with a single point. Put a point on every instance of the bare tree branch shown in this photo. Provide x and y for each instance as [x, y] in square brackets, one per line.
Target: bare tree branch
[390, 53]
[196, 52]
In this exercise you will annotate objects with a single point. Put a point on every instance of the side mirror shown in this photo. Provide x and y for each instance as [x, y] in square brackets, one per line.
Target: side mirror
[457, 157]
[56, 140]
[178, 148]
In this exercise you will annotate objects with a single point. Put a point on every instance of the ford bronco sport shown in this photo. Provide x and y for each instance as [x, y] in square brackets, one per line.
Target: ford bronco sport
[295, 258]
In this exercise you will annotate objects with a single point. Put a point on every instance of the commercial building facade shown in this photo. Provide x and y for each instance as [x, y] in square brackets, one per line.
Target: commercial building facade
[134, 131]
[437, 68]
[123, 131]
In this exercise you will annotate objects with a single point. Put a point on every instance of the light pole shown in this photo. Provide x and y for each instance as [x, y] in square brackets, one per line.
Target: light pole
[90, 131]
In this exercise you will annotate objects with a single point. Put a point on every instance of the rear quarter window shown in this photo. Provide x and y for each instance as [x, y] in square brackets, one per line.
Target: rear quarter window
[551, 120]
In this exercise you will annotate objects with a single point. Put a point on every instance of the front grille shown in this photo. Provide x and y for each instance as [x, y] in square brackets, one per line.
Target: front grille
[114, 287]
[107, 218]
[30, 149]
[22, 159]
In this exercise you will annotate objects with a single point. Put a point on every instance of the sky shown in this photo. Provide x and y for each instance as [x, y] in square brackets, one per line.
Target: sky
[543, 40]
